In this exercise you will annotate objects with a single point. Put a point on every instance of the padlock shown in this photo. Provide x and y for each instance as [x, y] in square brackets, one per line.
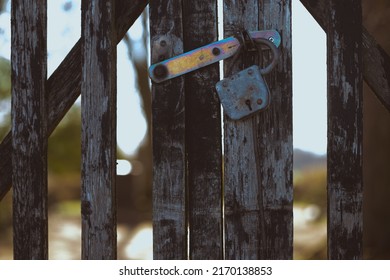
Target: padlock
[246, 92]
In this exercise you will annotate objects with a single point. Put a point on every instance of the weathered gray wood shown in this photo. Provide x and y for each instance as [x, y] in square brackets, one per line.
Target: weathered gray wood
[376, 70]
[29, 128]
[275, 155]
[258, 151]
[203, 136]
[63, 86]
[244, 216]
[345, 126]
[98, 138]
[169, 185]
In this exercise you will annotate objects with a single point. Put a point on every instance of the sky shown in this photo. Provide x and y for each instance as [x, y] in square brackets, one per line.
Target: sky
[309, 73]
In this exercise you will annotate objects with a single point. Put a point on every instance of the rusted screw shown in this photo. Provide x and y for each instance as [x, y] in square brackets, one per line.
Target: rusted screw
[160, 71]
[216, 51]
[259, 101]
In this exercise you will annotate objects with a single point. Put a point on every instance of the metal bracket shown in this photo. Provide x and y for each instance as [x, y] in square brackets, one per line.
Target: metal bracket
[200, 57]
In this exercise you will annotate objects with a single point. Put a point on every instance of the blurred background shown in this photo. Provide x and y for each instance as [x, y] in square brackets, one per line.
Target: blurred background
[134, 178]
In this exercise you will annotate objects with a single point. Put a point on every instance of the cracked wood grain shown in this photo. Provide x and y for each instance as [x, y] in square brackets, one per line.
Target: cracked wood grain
[258, 150]
[168, 118]
[203, 136]
[98, 127]
[345, 130]
[29, 128]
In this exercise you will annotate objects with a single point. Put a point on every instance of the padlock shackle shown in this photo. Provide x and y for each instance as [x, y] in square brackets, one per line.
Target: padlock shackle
[275, 54]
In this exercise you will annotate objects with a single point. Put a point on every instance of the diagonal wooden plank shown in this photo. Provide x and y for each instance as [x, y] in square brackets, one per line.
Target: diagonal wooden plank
[63, 86]
[345, 130]
[29, 128]
[376, 69]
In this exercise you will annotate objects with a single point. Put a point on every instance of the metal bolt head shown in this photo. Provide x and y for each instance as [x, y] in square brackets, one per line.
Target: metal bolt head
[259, 101]
[250, 71]
[160, 71]
[224, 84]
[271, 39]
[216, 51]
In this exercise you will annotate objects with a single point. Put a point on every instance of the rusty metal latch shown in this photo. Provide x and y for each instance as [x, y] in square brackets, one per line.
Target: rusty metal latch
[203, 56]
[241, 94]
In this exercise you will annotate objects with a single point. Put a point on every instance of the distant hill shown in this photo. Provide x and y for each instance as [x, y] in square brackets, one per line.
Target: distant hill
[303, 159]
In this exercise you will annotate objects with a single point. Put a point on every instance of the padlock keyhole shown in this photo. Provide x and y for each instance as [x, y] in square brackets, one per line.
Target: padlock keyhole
[248, 103]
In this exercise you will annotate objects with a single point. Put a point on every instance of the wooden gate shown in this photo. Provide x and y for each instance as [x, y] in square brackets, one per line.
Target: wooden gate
[245, 210]
[207, 204]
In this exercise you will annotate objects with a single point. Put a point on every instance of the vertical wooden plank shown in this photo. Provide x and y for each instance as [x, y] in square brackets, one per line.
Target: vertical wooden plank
[275, 141]
[169, 186]
[203, 136]
[98, 88]
[243, 210]
[258, 150]
[345, 188]
[29, 128]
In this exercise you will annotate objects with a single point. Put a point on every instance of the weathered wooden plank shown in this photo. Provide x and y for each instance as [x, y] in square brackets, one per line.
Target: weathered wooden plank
[275, 155]
[63, 86]
[376, 70]
[258, 150]
[29, 128]
[203, 136]
[168, 118]
[98, 137]
[345, 126]
[244, 217]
